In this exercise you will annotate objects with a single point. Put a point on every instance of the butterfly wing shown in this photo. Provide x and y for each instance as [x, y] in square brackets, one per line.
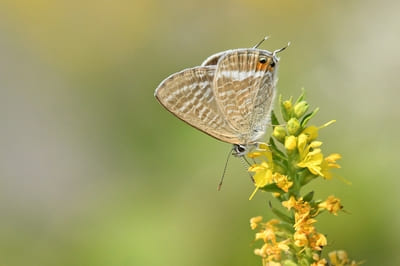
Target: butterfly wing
[213, 59]
[244, 89]
[189, 96]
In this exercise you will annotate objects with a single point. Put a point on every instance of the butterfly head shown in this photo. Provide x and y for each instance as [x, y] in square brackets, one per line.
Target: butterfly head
[267, 62]
[239, 150]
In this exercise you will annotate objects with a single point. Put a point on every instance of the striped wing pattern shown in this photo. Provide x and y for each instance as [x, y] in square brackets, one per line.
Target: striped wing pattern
[244, 90]
[189, 96]
[228, 97]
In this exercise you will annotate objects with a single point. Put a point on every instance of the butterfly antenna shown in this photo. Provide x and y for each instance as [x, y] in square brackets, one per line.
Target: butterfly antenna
[260, 42]
[280, 50]
[226, 165]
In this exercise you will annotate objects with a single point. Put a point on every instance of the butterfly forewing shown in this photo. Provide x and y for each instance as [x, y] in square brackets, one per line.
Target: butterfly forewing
[189, 95]
[241, 84]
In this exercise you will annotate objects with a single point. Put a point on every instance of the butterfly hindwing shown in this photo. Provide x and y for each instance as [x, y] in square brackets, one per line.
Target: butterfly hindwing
[244, 87]
[189, 96]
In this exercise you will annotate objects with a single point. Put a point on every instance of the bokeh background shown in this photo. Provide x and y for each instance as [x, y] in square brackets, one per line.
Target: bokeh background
[93, 171]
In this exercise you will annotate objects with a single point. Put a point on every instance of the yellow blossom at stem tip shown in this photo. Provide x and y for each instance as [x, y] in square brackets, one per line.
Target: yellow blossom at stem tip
[332, 204]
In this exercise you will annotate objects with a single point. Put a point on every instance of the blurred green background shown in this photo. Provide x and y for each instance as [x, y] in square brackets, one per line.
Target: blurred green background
[94, 171]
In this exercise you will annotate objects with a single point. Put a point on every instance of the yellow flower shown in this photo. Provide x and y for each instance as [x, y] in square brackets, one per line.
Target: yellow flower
[319, 262]
[328, 163]
[261, 251]
[317, 259]
[303, 148]
[340, 258]
[282, 181]
[311, 132]
[272, 249]
[290, 203]
[267, 234]
[271, 223]
[262, 150]
[322, 262]
[318, 241]
[283, 245]
[300, 239]
[313, 161]
[284, 170]
[332, 204]
[304, 223]
[262, 176]
[255, 221]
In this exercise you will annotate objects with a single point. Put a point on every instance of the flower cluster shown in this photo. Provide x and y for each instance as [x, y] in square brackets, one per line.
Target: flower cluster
[292, 158]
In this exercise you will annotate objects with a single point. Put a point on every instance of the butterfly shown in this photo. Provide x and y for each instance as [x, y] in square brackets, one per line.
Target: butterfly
[229, 96]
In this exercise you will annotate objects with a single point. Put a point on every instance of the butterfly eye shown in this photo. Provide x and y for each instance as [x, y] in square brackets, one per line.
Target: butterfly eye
[263, 60]
[272, 63]
[241, 149]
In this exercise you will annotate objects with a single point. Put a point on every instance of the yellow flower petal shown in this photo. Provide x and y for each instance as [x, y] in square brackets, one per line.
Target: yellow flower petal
[282, 181]
[311, 132]
[313, 161]
[290, 203]
[332, 204]
[328, 163]
[255, 221]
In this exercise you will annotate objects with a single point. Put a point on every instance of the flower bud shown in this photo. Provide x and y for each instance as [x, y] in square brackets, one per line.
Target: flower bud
[279, 133]
[290, 143]
[300, 109]
[287, 109]
[293, 126]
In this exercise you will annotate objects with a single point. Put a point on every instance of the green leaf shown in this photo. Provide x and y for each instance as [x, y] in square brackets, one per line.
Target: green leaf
[306, 177]
[280, 165]
[301, 97]
[275, 149]
[289, 263]
[281, 215]
[308, 116]
[271, 188]
[309, 196]
[274, 119]
[287, 228]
